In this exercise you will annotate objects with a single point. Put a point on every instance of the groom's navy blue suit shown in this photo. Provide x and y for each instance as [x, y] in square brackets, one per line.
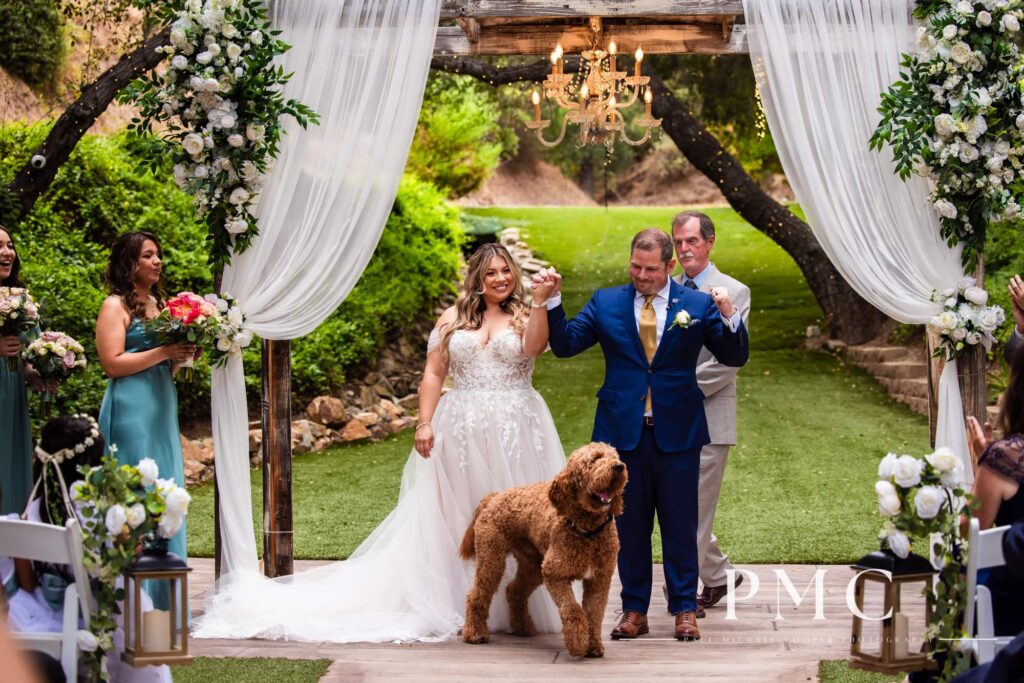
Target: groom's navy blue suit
[663, 459]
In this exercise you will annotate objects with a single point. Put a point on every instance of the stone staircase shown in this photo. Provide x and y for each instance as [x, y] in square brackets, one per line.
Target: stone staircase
[903, 372]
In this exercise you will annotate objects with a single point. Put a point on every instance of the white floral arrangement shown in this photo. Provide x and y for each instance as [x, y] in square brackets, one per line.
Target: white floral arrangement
[682, 320]
[19, 317]
[218, 104]
[63, 454]
[923, 498]
[965, 319]
[956, 115]
[231, 334]
[121, 507]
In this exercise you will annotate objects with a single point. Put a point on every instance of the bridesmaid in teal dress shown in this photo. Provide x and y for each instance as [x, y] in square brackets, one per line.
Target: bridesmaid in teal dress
[140, 407]
[15, 430]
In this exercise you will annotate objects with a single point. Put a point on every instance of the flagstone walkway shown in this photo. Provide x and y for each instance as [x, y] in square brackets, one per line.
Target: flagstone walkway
[752, 647]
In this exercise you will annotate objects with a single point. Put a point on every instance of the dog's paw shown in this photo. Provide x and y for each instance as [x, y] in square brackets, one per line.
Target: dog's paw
[596, 651]
[523, 628]
[577, 640]
[474, 636]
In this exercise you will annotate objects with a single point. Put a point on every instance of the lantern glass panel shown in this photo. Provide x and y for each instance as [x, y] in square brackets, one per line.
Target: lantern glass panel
[871, 638]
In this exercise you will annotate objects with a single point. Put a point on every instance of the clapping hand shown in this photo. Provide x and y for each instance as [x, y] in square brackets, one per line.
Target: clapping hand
[721, 298]
[546, 284]
[1016, 288]
[978, 439]
[10, 345]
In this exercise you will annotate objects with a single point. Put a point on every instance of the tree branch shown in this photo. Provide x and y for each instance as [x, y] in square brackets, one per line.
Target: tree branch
[30, 182]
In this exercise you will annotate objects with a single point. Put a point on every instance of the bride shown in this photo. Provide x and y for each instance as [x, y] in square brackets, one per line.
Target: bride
[490, 432]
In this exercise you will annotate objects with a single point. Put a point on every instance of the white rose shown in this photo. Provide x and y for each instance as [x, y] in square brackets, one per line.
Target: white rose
[211, 85]
[976, 295]
[149, 471]
[928, 501]
[256, 37]
[682, 319]
[945, 125]
[179, 62]
[994, 163]
[199, 171]
[964, 7]
[984, 99]
[973, 338]
[204, 57]
[238, 196]
[1020, 122]
[229, 31]
[227, 121]
[908, 471]
[887, 466]
[243, 339]
[989, 319]
[1002, 147]
[233, 52]
[958, 334]
[115, 519]
[224, 344]
[943, 459]
[945, 208]
[898, 543]
[951, 302]
[968, 153]
[192, 144]
[255, 132]
[177, 502]
[888, 499]
[177, 37]
[960, 52]
[214, 49]
[169, 526]
[1009, 23]
[164, 487]
[87, 641]
[236, 226]
[236, 140]
[235, 317]
[965, 282]
[984, 18]
[953, 478]
[949, 31]
[136, 515]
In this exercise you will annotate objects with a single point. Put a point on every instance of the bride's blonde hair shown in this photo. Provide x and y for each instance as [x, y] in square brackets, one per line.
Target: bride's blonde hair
[470, 306]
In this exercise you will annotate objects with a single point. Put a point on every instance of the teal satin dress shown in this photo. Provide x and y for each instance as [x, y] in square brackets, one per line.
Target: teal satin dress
[15, 441]
[140, 415]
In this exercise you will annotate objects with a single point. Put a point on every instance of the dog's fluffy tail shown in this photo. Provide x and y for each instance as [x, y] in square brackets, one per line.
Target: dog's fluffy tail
[467, 550]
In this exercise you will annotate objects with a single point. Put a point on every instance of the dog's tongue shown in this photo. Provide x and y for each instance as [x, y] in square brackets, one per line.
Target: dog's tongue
[604, 496]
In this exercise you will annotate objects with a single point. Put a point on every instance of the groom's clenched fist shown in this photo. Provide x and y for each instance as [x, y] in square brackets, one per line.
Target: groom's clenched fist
[546, 284]
[721, 297]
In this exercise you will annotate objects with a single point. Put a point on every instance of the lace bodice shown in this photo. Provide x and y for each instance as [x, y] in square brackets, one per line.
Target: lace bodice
[500, 364]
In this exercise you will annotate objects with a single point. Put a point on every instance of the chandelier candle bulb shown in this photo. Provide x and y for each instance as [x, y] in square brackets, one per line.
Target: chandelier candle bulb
[611, 55]
[536, 105]
[558, 55]
[647, 101]
[611, 110]
[554, 63]
[584, 96]
[639, 58]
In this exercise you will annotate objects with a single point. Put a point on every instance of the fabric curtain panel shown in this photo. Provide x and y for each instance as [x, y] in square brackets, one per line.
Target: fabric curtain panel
[821, 66]
[362, 66]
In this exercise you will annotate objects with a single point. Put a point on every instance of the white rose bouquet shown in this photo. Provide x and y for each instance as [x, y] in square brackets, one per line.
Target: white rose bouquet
[923, 498]
[230, 333]
[55, 356]
[965, 319]
[122, 507]
[19, 317]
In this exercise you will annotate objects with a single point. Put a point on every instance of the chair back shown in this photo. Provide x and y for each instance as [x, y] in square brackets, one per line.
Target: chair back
[984, 550]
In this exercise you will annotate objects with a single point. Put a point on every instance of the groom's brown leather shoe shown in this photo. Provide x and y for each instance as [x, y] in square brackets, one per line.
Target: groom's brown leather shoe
[631, 625]
[711, 595]
[686, 626]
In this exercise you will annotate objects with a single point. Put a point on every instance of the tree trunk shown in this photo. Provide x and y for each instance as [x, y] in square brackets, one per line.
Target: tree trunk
[849, 317]
[31, 182]
[586, 175]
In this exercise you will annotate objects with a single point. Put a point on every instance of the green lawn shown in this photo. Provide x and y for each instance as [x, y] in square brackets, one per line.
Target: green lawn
[799, 485]
[246, 670]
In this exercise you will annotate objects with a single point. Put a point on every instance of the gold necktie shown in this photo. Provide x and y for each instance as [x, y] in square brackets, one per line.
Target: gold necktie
[648, 336]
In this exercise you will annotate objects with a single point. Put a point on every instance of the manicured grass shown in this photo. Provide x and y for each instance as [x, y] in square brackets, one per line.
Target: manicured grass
[799, 485]
[839, 671]
[246, 670]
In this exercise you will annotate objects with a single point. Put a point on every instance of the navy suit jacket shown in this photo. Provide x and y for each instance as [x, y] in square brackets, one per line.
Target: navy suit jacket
[677, 403]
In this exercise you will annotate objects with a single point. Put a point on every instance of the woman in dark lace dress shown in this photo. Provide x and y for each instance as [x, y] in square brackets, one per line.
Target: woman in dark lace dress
[999, 486]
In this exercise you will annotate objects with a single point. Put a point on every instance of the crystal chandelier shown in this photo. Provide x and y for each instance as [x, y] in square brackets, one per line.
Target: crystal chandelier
[596, 103]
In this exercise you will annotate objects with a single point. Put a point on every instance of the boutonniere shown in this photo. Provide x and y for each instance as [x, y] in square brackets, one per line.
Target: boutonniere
[682, 320]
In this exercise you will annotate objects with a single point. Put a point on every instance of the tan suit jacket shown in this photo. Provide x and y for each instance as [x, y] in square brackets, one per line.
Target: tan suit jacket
[717, 381]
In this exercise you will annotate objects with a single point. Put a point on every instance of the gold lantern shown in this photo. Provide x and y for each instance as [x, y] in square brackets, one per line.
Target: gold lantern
[157, 636]
[901, 587]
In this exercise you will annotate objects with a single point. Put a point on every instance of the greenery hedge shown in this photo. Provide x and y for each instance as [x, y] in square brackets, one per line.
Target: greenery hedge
[99, 193]
[33, 45]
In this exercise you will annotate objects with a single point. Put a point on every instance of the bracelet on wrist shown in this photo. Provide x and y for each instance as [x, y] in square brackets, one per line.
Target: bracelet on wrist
[542, 304]
[423, 424]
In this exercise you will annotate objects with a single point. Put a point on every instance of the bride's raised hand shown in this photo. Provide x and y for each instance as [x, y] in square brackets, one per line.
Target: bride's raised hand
[424, 439]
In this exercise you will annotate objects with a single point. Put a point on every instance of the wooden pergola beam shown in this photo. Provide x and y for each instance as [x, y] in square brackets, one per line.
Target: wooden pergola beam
[541, 39]
[450, 9]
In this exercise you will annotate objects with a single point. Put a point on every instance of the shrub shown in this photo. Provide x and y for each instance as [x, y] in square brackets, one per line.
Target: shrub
[32, 40]
[98, 194]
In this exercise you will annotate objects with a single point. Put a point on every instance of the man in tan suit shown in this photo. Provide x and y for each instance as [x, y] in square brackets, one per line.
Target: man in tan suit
[693, 234]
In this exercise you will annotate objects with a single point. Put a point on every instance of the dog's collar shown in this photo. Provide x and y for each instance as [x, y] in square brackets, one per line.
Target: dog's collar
[587, 534]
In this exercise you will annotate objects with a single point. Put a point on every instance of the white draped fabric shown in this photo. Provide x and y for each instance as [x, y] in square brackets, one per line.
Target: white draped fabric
[362, 66]
[821, 66]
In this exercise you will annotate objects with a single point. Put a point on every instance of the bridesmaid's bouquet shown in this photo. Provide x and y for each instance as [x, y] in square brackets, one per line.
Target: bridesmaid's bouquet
[188, 319]
[55, 356]
[19, 315]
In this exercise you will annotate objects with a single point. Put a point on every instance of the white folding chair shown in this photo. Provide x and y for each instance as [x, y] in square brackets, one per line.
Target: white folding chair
[56, 545]
[984, 550]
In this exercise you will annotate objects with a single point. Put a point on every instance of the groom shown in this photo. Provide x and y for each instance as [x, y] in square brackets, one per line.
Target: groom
[650, 408]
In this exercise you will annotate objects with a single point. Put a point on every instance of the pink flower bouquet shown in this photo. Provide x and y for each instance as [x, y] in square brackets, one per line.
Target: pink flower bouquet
[19, 317]
[55, 356]
[187, 319]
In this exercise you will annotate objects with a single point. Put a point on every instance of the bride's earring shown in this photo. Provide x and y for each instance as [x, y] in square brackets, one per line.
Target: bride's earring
[480, 293]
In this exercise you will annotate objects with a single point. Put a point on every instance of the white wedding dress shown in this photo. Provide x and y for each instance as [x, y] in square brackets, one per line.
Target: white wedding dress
[406, 581]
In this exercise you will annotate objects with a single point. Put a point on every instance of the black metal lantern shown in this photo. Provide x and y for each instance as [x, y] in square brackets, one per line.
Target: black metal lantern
[896, 589]
[157, 636]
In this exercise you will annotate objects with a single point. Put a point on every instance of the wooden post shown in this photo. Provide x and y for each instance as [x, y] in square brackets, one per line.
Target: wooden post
[277, 459]
[218, 279]
[972, 367]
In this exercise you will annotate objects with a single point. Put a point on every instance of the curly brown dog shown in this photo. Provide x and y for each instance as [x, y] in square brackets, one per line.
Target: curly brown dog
[558, 532]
